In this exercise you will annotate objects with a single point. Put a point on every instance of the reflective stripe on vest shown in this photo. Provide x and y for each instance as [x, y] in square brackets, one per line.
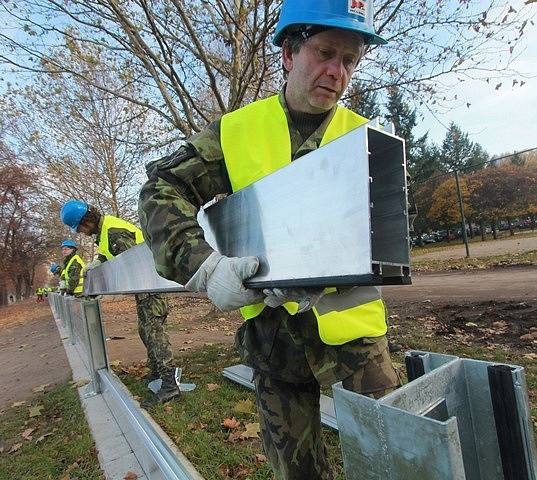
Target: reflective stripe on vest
[109, 222]
[80, 286]
[259, 149]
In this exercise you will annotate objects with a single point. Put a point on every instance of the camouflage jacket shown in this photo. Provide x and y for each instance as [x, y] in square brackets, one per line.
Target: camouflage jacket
[286, 347]
[180, 184]
[75, 270]
[119, 240]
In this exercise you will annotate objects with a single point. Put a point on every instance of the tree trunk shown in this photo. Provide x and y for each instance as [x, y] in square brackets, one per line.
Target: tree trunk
[495, 229]
[471, 230]
[482, 229]
[448, 234]
[532, 216]
[510, 224]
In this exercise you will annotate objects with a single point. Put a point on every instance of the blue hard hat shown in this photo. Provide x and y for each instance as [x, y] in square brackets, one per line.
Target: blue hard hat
[69, 243]
[54, 267]
[355, 15]
[73, 212]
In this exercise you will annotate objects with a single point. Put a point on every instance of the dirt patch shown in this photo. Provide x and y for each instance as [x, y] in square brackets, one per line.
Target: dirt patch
[482, 323]
[192, 322]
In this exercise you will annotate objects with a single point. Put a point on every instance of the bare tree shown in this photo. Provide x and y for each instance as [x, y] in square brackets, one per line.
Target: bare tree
[90, 143]
[196, 60]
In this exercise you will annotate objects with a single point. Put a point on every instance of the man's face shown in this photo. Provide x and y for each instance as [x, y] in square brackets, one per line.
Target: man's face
[66, 251]
[85, 228]
[320, 72]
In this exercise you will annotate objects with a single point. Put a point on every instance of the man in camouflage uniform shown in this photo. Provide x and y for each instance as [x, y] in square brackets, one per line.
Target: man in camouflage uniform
[289, 359]
[114, 236]
[73, 267]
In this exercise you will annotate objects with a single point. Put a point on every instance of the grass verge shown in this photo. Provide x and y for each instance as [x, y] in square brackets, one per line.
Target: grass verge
[196, 423]
[47, 438]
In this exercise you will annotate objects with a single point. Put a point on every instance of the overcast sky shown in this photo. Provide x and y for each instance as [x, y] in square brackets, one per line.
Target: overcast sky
[501, 120]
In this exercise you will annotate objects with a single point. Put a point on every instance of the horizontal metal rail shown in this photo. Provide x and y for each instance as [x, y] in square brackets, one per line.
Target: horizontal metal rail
[158, 459]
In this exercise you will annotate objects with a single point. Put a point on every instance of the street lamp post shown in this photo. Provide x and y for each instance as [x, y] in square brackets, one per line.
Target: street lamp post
[461, 208]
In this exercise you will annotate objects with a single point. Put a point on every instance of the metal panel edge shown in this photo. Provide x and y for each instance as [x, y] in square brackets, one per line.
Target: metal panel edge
[148, 443]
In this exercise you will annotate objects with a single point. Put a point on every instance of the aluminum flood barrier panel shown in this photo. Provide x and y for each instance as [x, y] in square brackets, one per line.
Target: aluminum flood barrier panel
[159, 460]
[460, 419]
[132, 271]
[348, 196]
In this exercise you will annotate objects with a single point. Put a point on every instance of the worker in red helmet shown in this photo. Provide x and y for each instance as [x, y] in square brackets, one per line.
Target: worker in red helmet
[295, 340]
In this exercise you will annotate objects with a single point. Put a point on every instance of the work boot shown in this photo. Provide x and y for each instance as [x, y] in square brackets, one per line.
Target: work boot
[168, 391]
[151, 376]
[394, 347]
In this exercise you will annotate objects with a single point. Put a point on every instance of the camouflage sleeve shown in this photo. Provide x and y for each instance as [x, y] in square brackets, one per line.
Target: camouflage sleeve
[177, 186]
[74, 274]
[120, 240]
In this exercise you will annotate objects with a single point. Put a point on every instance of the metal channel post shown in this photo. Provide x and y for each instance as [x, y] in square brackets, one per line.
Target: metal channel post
[69, 318]
[96, 346]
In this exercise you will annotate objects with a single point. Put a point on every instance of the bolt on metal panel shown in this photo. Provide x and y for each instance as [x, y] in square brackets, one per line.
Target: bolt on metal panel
[439, 426]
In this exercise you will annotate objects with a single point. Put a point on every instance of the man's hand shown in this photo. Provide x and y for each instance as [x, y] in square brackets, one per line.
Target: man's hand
[305, 297]
[221, 277]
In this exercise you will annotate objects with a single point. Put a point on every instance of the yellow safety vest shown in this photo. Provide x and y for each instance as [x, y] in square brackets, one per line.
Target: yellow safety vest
[255, 141]
[80, 286]
[114, 222]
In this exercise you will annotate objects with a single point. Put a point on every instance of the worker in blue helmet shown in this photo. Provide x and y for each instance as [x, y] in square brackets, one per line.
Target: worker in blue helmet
[73, 267]
[295, 340]
[113, 236]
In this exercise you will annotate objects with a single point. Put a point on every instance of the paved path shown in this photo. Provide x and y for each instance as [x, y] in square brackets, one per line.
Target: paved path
[31, 354]
[507, 283]
[514, 244]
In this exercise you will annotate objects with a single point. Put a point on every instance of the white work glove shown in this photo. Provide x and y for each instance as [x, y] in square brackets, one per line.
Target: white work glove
[221, 277]
[305, 297]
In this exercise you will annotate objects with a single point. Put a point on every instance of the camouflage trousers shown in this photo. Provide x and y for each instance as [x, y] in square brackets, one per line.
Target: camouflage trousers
[290, 364]
[152, 310]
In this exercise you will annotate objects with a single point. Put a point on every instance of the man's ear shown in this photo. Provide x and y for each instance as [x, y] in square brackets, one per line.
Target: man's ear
[287, 57]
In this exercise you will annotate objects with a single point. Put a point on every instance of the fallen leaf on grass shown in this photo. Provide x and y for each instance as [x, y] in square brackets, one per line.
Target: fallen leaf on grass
[471, 324]
[224, 470]
[41, 388]
[130, 476]
[529, 337]
[241, 472]
[27, 434]
[15, 448]
[197, 426]
[42, 437]
[244, 406]
[18, 404]
[115, 363]
[234, 437]
[231, 423]
[260, 458]
[36, 411]
[530, 356]
[212, 386]
[167, 408]
[252, 431]
[80, 383]
[66, 474]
